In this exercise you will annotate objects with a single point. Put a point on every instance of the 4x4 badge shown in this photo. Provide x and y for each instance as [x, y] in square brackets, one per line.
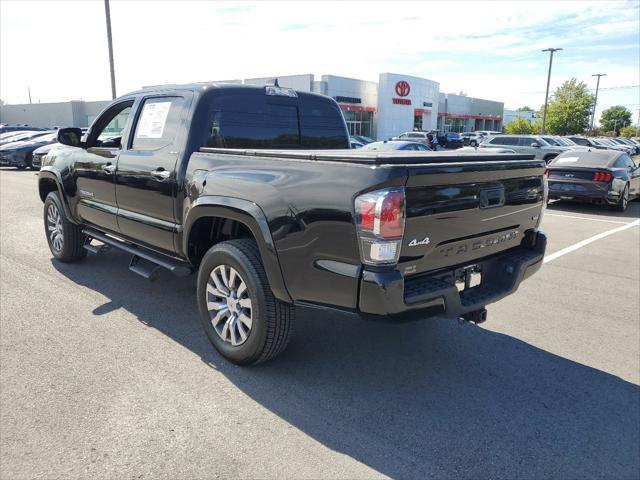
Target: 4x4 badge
[415, 242]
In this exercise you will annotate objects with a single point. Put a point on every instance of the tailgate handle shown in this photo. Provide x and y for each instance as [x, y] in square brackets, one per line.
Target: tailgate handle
[492, 197]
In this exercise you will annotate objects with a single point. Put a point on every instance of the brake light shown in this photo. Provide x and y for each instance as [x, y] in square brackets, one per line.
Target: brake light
[380, 224]
[546, 172]
[602, 177]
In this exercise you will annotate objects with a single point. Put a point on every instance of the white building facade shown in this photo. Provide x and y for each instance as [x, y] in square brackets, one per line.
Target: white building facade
[395, 104]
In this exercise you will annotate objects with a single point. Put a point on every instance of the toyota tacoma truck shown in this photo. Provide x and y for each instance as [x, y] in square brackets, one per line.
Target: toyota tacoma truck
[255, 190]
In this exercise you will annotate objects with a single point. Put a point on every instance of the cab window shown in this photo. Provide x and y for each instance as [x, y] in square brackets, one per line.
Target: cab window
[157, 123]
[108, 130]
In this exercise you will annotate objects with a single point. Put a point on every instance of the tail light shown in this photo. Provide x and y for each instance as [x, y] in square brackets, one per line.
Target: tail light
[380, 224]
[546, 172]
[602, 177]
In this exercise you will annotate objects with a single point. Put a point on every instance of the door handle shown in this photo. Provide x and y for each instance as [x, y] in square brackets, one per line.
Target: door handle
[109, 168]
[161, 173]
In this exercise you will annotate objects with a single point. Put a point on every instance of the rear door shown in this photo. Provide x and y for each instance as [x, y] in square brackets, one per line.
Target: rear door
[146, 173]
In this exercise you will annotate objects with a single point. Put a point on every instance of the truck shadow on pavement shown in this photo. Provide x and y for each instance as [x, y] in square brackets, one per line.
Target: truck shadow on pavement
[417, 400]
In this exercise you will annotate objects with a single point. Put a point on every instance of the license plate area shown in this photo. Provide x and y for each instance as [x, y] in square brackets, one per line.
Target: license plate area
[468, 277]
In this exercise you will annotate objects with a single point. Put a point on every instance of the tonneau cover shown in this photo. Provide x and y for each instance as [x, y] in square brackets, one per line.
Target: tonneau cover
[373, 156]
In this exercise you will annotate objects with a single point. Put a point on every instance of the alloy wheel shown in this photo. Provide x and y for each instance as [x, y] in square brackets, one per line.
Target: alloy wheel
[229, 305]
[54, 228]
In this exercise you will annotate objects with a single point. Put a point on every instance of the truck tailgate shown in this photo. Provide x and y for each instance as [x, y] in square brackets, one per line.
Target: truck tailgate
[459, 213]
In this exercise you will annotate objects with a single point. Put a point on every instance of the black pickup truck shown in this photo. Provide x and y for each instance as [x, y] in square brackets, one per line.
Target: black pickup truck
[256, 190]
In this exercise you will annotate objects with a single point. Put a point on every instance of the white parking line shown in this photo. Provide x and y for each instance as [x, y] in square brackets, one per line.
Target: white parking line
[589, 240]
[547, 214]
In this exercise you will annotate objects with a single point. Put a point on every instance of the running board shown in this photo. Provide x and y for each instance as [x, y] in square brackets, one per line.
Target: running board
[141, 258]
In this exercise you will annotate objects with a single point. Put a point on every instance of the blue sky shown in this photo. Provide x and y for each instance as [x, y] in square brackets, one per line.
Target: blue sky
[486, 49]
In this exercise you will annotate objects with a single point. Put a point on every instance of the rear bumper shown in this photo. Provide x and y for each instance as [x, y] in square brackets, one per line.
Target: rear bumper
[388, 294]
[589, 195]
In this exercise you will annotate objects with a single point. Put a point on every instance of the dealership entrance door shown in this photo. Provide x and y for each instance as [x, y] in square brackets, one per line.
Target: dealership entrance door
[358, 122]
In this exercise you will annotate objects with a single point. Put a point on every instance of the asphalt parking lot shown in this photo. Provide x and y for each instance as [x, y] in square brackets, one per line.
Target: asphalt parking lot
[106, 375]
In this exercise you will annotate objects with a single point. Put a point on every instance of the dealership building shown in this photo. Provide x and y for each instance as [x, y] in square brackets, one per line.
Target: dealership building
[394, 104]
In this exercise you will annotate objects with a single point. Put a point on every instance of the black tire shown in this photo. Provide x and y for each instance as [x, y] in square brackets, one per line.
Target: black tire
[21, 167]
[71, 247]
[621, 206]
[271, 320]
[473, 143]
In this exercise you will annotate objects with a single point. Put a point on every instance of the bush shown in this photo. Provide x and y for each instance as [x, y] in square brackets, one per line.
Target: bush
[520, 126]
[629, 131]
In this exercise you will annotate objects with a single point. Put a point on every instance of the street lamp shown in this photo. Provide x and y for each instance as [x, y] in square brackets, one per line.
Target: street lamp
[107, 14]
[546, 96]
[593, 115]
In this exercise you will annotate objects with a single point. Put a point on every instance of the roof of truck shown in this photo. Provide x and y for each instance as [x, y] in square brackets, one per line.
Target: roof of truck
[205, 86]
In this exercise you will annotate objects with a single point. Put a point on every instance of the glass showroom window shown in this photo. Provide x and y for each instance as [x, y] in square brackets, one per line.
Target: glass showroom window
[358, 122]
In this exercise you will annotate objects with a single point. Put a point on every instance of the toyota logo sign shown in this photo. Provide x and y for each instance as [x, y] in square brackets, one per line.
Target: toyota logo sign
[402, 88]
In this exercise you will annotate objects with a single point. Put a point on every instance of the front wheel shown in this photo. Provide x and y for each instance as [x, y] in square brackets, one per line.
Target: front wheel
[242, 318]
[66, 240]
[473, 143]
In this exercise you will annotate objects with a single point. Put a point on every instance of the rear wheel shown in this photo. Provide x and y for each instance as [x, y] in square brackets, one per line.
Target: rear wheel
[66, 240]
[473, 143]
[621, 206]
[239, 313]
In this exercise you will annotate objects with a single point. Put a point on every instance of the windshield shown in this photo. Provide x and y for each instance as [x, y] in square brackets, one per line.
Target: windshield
[566, 141]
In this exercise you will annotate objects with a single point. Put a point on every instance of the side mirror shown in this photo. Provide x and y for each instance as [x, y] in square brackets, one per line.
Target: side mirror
[70, 136]
[535, 145]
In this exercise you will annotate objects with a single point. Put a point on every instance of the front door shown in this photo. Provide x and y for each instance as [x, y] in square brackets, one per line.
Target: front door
[95, 167]
[146, 174]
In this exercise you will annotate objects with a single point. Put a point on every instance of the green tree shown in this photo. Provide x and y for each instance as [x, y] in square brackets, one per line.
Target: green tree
[525, 109]
[462, 94]
[615, 118]
[569, 109]
[629, 131]
[520, 126]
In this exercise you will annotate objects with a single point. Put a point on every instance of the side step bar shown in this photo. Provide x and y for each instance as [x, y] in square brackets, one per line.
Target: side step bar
[143, 262]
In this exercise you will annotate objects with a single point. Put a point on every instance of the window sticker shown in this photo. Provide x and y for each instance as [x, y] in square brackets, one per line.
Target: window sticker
[153, 119]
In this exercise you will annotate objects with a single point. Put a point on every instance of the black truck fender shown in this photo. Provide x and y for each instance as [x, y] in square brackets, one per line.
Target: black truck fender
[250, 215]
[47, 178]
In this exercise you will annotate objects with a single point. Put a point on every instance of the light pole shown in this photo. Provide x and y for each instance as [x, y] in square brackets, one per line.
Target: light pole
[593, 115]
[546, 96]
[107, 14]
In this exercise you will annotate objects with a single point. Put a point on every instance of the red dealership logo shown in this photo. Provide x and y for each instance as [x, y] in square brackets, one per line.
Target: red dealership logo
[402, 88]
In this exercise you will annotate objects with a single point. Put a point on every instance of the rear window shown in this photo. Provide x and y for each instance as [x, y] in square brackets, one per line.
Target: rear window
[504, 140]
[256, 121]
[582, 158]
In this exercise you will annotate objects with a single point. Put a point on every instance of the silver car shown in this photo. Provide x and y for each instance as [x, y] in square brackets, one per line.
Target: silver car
[529, 144]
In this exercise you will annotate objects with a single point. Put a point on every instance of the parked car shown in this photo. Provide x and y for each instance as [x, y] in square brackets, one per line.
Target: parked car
[354, 143]
[562, 142]
[362, 139]
[413, 137]
[485, 150]
[450, 140]
[530, 144]
[635, 149]
[488, 133]
[266, 203]
[24, 136]
[611, 145]
[20, 154]
[18, 128]
[389, 145]
[603, 177]
[472, 139]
